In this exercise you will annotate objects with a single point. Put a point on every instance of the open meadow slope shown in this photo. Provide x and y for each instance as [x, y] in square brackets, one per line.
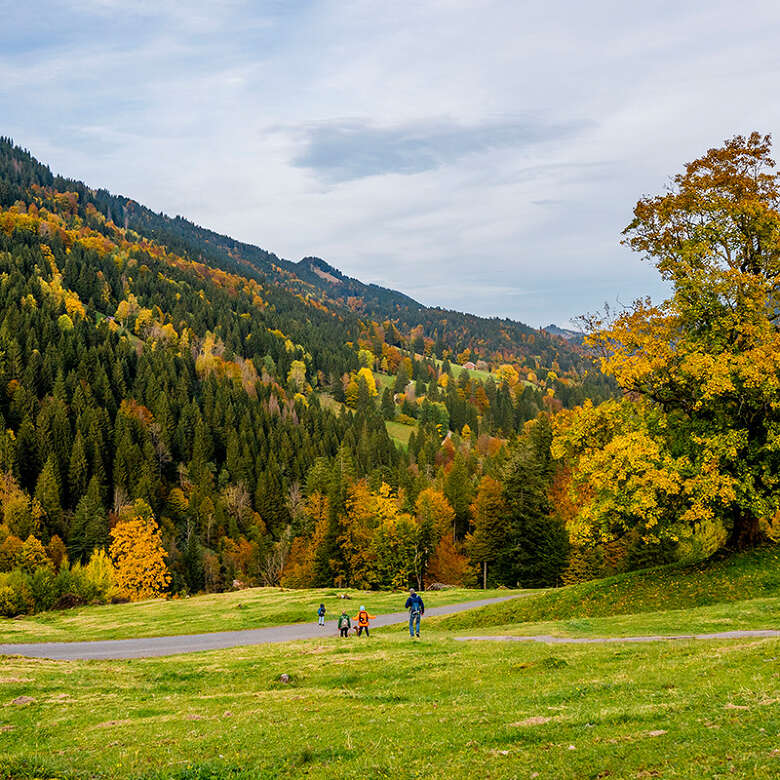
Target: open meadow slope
[689, 589]
[389, 707]
[438, 708]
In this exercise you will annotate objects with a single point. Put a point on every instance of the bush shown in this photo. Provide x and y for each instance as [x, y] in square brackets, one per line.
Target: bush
[22, 592]
[20, 600]
[43, 589]
[8, 601]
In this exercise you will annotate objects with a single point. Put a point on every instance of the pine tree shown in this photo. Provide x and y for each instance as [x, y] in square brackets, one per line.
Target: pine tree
[78, 471]
[89, 529]
[388, 405]
[48, 492]
[537, 546]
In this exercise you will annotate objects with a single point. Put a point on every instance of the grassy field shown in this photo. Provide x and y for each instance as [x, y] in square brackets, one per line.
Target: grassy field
[391, 707]
[329, 402]
[729, 616]
[399, 432]
[383, 381]
[751, 575]
[252, 608]
[388, 707]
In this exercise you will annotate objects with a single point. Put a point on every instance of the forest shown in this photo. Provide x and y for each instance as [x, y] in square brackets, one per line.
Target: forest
[185, 413]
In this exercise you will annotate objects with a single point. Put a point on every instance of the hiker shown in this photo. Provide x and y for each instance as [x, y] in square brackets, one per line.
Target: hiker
[321, 615]
[362, 618]
[344, 623]
[416, 610]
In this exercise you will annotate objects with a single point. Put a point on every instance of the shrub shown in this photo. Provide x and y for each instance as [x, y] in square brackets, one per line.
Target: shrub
[8, 601]
[101, 574]
[43, 589]
[21, 600]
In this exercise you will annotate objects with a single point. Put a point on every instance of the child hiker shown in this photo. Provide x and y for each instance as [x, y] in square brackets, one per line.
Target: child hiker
[321, 615]
[362, 618]
[344, 623]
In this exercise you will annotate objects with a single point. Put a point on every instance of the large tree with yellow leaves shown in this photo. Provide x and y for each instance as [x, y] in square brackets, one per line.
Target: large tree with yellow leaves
[700, 453]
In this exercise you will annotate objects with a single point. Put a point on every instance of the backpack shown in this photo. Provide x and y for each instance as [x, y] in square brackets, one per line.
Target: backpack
[415, 609]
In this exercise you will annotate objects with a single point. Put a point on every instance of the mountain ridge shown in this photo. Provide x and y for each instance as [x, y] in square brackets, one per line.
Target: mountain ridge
[313, 276]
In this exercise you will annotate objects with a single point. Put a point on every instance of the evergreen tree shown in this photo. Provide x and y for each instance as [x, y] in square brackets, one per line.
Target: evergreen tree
[537, 545]
[78, 471]
[48, 492]
[89, 529]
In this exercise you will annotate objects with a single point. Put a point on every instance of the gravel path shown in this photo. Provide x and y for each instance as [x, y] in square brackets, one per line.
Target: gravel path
[599, 640]
[193, 643]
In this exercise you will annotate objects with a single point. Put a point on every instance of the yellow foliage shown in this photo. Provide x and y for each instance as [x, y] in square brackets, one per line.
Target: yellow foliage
[508, 374]
[138, 554]
[368, 375]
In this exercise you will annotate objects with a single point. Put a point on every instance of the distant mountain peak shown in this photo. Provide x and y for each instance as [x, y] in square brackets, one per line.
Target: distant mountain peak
[564, 333]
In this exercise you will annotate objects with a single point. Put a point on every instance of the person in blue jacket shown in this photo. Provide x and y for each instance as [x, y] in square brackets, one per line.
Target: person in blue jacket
[416, 610]
[321, 615]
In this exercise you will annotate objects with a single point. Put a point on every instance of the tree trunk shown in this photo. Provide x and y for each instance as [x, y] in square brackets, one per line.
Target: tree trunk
[484, 575]
[745, 533]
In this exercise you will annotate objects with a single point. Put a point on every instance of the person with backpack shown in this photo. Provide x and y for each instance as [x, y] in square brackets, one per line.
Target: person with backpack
[321, 615]
[344, 623]
[362, 618]
[416, 610]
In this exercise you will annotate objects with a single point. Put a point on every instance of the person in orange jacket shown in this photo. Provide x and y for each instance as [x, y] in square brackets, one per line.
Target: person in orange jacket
[362, 619]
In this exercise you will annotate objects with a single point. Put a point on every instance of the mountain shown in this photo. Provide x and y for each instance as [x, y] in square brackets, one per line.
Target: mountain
[488, 338]
[575, 336]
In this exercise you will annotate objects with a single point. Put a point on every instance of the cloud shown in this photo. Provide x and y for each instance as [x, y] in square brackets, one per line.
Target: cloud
[346, 150]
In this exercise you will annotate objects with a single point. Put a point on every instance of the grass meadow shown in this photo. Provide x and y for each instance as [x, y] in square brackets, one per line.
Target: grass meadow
[391, 707]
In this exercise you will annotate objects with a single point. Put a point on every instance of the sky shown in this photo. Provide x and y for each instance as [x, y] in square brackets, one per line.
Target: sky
[480, 156]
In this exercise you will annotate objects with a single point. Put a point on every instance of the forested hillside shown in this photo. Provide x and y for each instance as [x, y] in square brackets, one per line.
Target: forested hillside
[224, 414]
[177, 419]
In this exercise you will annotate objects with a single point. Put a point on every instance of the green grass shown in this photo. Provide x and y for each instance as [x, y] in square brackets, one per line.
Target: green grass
[329, 402]
[252, 608]
[383, 381]
[751, 575]
[392, 708]
[399, 432]
[474, 373]
[729, 616]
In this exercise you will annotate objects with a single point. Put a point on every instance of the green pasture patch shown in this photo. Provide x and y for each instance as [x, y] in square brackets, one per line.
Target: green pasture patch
[390, 707]
[399, 432]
